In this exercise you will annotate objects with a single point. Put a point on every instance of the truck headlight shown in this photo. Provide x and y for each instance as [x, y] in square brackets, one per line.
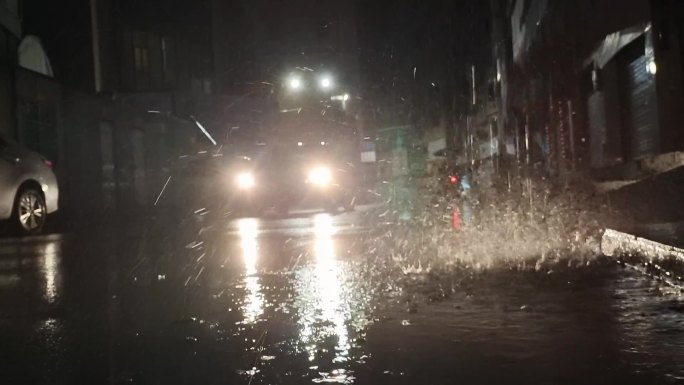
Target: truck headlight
[245, 181]
[320, 176]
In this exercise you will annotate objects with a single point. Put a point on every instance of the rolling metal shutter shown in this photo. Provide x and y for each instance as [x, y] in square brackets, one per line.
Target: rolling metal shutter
[642, 109]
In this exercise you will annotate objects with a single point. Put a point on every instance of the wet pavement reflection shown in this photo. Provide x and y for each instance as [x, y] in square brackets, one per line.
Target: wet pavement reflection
[312, 300]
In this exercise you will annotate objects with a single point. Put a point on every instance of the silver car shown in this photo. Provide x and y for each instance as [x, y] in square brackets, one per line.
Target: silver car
[28, 187]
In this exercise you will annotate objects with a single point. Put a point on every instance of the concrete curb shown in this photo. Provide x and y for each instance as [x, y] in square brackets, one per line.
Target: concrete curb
[616, 243]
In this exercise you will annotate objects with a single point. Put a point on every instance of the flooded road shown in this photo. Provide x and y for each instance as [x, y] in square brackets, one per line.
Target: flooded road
[312, 300]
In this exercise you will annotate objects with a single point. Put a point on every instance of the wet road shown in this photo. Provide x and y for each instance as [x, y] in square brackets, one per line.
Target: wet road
[314, 300]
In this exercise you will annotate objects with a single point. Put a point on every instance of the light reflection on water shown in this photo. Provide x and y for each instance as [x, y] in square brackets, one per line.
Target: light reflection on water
[328, 281]
[643, 319]
[324, 304]
[253, 306]
[51, 270]
[321, 301]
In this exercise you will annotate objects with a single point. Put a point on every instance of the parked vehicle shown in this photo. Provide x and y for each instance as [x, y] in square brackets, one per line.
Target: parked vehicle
[28, 187]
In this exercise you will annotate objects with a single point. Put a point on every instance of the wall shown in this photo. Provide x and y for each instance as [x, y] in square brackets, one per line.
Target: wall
[143, 50]
[118, 156]
[39, 103]
[669, 56]
[10, 16]
[10, 30]
[525, 21]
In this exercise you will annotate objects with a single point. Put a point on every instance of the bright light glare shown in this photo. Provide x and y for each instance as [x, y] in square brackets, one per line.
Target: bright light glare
[331, 305]
[245, 181]
[248, 240]
[51, 269]
[325, 301]
[253, 305]
[323, 230]
[300, 144]
[320, 176]
[345, 97]
[326, 83]
[652, 67]
[295, 83]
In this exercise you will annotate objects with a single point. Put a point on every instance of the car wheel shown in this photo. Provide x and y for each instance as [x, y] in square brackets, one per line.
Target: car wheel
[30, 211]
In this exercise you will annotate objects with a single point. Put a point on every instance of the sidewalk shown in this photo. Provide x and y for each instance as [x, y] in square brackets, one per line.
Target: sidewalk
[656, 260]
[617, 243]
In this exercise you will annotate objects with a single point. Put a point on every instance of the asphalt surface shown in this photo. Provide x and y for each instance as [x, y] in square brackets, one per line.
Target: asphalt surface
[310, 299]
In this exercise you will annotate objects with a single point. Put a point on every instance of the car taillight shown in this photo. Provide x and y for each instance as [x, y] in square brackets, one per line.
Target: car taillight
[49, 164]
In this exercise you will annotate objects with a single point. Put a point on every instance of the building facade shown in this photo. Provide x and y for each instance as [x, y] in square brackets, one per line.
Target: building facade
[127, 75]
[10, 35]
[590, 85]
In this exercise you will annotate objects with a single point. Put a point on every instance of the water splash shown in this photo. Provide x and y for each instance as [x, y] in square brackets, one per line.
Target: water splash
[532, 225]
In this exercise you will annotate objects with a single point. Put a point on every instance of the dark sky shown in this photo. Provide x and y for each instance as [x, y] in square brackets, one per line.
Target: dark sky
[438, 39]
